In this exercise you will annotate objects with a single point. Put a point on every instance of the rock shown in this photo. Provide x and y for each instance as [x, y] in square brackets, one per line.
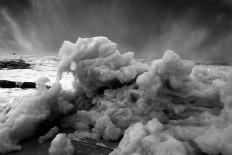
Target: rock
[15, 64]
[1, 65]
[25, 85]
[7, 84]
[13, 84]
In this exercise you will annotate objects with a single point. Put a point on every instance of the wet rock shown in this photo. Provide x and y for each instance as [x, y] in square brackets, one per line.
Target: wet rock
[14, 84]
[7, 84]
[15, 64]
[2, 65]
[25, 85]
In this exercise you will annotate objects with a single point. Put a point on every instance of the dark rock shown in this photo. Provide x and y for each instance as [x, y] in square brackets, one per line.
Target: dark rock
[25, 85]
[1, 65]
[7, 84]
[13, 84]
[15, 64]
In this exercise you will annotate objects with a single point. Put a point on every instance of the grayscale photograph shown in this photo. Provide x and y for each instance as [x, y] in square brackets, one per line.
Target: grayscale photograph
[116, 77]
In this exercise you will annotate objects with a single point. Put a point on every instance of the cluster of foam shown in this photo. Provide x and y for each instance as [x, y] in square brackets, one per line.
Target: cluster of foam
[180, 109]
[163, 93]
[97, 63]
[149, 139]
[208, 129]
[212, 133]
[61, 145]
[216, 138]
[112, 113]
[175, 74]
[27, 113]
[170, 90]
[169, 69]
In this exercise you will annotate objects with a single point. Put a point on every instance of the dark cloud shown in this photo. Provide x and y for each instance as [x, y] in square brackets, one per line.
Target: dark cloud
[196, 29]
[16, 5]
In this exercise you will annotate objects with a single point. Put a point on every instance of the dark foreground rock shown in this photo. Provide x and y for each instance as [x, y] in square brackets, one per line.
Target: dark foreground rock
[14, 84]
[25, 85]
[15, 64]
[7, 84]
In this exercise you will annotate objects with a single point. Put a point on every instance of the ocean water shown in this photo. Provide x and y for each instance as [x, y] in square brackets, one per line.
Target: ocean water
[47, 66]
[41, 66]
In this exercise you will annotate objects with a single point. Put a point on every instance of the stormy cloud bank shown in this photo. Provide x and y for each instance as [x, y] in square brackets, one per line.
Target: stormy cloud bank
[195, 29]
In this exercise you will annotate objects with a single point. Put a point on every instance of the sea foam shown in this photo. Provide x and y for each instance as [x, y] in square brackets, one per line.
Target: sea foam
[166, 107]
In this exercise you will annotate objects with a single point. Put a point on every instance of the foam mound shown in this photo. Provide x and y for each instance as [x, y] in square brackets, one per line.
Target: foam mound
[97, 63]
[27, 113]
[168, 106]
[61, 145]
[148, 139]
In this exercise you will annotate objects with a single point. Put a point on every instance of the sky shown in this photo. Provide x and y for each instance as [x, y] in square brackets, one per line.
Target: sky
[195, 29]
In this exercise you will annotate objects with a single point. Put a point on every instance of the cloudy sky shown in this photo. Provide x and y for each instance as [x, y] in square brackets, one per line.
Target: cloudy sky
[196, 29]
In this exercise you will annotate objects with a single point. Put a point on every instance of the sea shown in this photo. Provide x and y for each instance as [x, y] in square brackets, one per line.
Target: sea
[46, 66]
[41, 66]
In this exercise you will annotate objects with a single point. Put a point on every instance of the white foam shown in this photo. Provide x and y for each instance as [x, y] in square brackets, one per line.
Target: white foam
[61, 145]
[169, 102]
